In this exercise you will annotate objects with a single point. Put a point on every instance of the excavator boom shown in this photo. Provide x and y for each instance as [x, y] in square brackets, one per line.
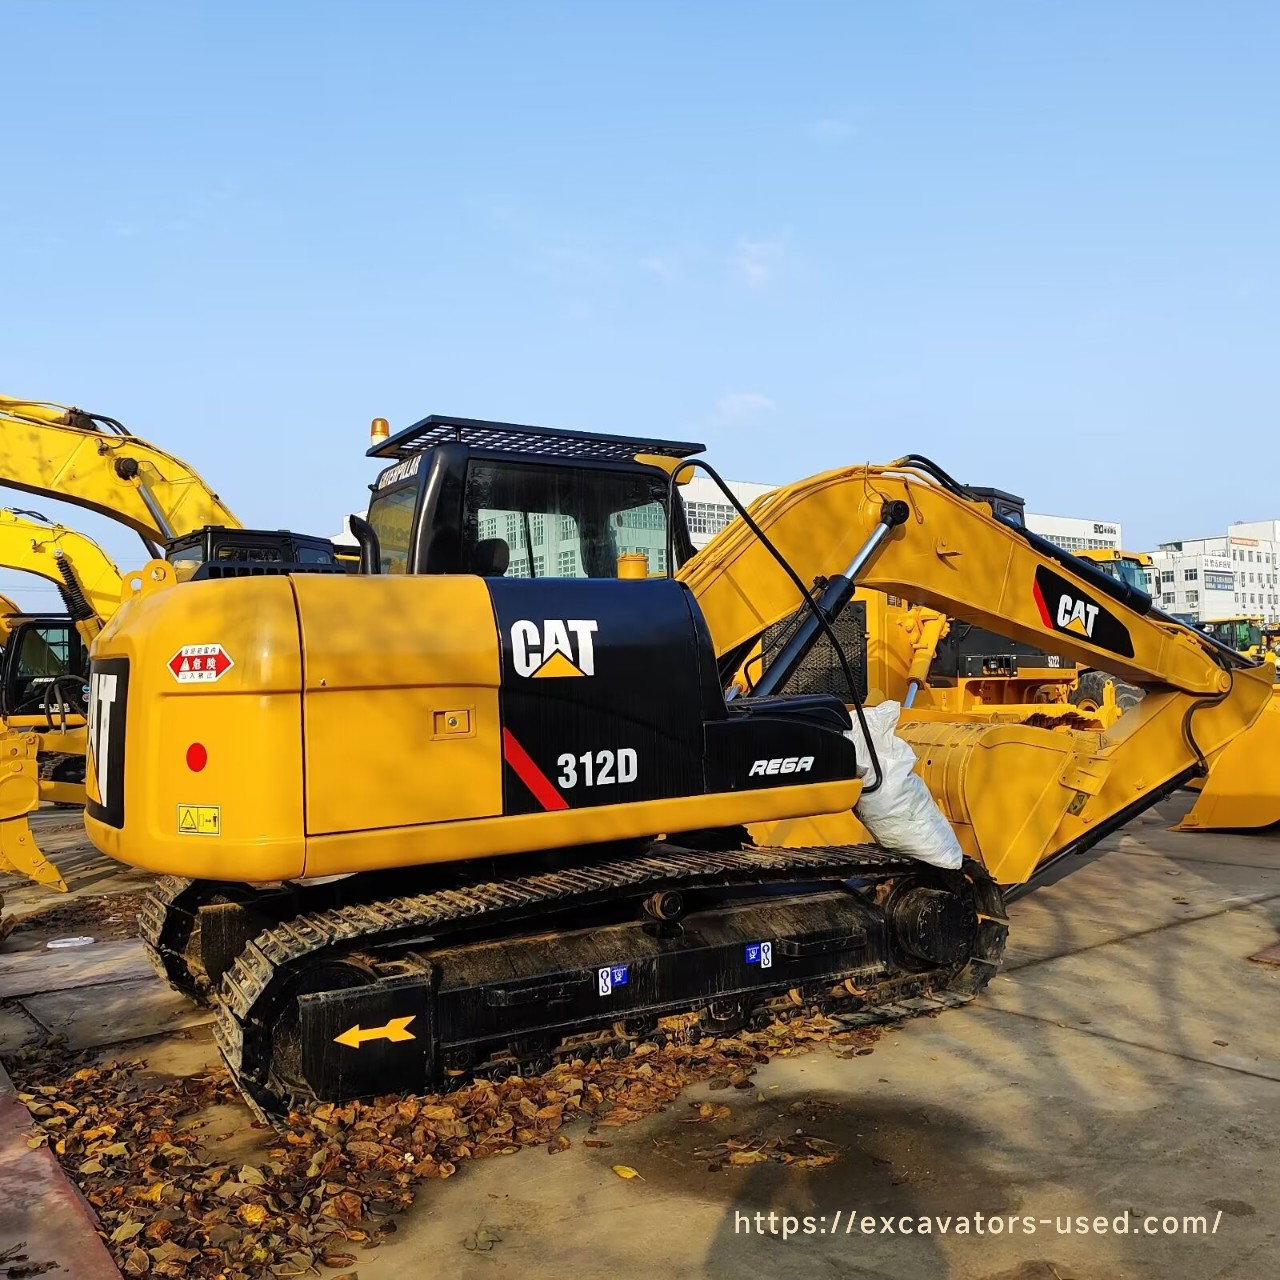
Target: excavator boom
[90, 584]
[909, 531]
[93, 462]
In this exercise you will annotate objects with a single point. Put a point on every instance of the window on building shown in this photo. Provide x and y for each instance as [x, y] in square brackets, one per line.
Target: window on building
[1193, 599]
[567, 565]
[709, 517]
[1167, 600]
[1166, 575]
[1190, 575]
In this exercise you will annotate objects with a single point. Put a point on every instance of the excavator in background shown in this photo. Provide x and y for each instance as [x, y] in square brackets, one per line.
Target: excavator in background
[558, 860]
[1124, 566]
[95, 463]
[1243, 633]
[44, 680]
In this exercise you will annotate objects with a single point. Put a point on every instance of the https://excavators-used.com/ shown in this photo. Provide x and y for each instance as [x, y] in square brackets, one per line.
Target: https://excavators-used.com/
[521, 805]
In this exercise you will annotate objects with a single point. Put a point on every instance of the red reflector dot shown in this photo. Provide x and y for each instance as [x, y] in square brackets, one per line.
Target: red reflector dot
[197, 757]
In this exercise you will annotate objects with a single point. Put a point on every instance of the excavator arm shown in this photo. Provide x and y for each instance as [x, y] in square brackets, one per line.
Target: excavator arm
[1018, 795]
[93, 462]
[89, 582]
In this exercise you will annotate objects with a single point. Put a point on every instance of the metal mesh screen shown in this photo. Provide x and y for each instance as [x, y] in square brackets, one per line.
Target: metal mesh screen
[820, 671]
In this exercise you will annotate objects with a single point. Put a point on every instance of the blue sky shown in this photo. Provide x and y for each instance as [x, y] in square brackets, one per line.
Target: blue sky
[1037, 242]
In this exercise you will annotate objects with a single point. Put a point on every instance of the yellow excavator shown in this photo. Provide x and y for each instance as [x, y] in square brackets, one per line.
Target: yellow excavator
[520, 804]
[44, 680]
[93, 462]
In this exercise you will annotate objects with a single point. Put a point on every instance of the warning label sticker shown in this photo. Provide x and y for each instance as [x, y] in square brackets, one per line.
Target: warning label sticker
[199, 819]
[200, 663]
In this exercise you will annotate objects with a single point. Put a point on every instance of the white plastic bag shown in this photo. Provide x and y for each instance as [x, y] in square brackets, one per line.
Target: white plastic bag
[900, 814]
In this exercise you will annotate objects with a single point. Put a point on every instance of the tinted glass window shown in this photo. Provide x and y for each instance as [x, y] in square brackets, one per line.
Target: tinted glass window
[391, 515]
[560, 522]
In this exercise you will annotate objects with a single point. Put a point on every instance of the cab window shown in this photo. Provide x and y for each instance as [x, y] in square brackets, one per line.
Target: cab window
[524, 521]
[391, 515]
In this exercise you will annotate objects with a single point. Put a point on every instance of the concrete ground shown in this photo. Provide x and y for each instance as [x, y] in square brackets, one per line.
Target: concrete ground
[1125, 1066]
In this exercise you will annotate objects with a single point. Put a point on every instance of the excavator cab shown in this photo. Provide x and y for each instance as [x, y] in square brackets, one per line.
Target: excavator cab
[44, 672]
[1124, 566]
[1243, 634]
[502, 500]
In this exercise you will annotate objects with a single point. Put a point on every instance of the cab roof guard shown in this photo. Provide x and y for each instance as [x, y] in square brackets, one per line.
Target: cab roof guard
[511, 437]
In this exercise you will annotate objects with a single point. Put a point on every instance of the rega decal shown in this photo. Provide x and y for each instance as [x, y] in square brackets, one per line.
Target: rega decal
[1066, 609]
[781, 764]
[554, 647]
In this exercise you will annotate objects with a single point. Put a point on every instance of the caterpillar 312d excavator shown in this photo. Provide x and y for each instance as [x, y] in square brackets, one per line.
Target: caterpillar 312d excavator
[534, 792]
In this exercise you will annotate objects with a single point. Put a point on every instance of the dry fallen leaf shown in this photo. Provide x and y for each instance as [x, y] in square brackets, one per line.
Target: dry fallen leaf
[626, 1171]
[332, 1176]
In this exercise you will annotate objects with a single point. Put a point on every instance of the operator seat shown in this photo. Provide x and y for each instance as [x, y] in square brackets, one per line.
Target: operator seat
[491, 557]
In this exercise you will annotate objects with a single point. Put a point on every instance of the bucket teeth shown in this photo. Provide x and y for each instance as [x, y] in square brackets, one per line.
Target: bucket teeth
[20, 855]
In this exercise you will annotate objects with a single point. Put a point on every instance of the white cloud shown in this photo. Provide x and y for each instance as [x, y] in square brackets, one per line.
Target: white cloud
[832, 128]
[756, 262]
[738, 405]
[663, 265]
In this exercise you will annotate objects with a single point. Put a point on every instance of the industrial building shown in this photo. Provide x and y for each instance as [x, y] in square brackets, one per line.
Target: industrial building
[1234, 574]
[1075, 534]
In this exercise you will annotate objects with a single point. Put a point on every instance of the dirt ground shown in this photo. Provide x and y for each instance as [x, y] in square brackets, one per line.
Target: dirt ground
[1122, 1073]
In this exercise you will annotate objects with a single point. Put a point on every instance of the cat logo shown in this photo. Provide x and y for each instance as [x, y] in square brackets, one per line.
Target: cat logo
[1076, 615]
[105, 734]
[102, 706]
[1064, 609]
[556, 647]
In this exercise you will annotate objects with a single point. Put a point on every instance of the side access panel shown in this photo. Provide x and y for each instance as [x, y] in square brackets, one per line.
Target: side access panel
[413, 737]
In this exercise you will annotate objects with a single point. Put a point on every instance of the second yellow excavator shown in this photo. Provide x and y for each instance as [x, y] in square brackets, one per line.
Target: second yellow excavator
[44, 677]
[93, 462]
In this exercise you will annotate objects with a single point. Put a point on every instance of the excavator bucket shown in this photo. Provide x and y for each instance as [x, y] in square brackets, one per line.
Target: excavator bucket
[1242, 791]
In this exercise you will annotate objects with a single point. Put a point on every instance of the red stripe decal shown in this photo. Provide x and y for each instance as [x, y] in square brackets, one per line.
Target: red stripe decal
[1040, 604]
[529, 773]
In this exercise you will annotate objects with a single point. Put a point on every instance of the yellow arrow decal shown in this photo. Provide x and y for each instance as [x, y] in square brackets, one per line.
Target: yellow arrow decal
[396, 1029]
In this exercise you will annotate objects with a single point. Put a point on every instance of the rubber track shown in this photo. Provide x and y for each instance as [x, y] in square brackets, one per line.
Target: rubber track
[310, 936]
